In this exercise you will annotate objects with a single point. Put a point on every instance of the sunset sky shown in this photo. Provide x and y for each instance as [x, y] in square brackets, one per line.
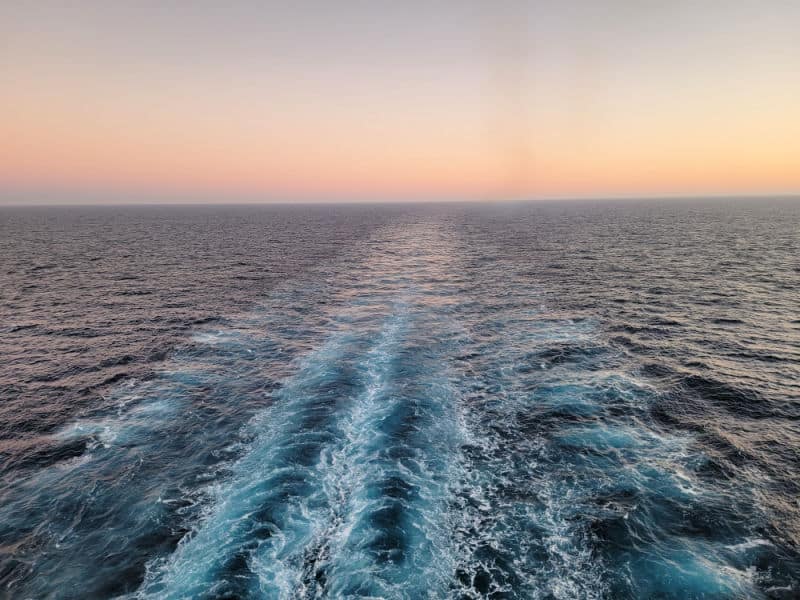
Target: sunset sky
[348, 100]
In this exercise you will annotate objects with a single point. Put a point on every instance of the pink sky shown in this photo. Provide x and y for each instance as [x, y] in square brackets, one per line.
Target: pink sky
[377, 101]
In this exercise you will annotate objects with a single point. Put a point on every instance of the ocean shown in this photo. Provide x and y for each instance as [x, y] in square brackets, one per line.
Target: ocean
[533, 400]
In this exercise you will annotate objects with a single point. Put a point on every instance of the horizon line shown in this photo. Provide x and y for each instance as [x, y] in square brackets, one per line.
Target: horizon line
[415, 201]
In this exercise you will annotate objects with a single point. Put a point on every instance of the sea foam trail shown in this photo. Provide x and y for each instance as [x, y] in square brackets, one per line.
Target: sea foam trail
[342, 490]
[413, 428]
[454, 442]
[273, 504]
[395, 540]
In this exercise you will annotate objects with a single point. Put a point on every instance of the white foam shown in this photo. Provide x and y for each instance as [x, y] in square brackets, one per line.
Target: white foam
[749, 544]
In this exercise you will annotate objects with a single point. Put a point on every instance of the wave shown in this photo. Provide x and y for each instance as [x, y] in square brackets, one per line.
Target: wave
[395, 430]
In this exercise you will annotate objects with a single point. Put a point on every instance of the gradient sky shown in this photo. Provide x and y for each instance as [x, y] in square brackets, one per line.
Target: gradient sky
[397, 100]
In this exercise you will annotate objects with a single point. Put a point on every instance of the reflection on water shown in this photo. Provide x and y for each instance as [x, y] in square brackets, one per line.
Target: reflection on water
[497, 402]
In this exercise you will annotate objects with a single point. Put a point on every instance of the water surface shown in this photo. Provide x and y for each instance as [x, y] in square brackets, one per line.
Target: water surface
[506, 401]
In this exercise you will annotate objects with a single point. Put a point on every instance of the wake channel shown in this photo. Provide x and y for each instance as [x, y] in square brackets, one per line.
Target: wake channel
[344, 485]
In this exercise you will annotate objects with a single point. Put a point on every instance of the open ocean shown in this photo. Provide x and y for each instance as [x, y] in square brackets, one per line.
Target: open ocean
[554, 401]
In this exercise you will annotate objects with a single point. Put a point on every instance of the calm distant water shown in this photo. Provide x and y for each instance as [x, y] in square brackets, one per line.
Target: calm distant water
[509, 401]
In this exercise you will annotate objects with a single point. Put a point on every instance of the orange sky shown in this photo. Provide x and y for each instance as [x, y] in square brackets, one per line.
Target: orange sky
[534, 100]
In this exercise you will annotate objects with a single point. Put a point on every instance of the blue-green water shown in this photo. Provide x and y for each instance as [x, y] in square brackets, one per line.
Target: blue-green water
[519, 401]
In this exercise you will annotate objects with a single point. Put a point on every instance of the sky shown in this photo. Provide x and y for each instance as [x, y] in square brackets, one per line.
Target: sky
[359, 101]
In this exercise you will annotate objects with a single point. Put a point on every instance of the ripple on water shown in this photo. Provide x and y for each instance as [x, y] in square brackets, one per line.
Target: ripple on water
[421, 416]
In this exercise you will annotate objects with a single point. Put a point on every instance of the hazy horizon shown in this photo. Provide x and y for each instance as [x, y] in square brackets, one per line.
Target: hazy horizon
[74, 199]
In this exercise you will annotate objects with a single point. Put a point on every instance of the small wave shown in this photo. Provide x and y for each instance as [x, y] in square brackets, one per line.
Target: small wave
[737, 400]
[727, 321]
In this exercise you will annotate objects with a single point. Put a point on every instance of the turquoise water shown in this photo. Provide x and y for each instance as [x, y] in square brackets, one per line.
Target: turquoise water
[424, 413]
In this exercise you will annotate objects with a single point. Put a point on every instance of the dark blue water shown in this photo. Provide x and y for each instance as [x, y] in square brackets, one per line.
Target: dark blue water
[509, 401]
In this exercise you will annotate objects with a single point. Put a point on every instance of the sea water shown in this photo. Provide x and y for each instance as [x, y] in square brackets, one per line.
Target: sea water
[551, 401]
